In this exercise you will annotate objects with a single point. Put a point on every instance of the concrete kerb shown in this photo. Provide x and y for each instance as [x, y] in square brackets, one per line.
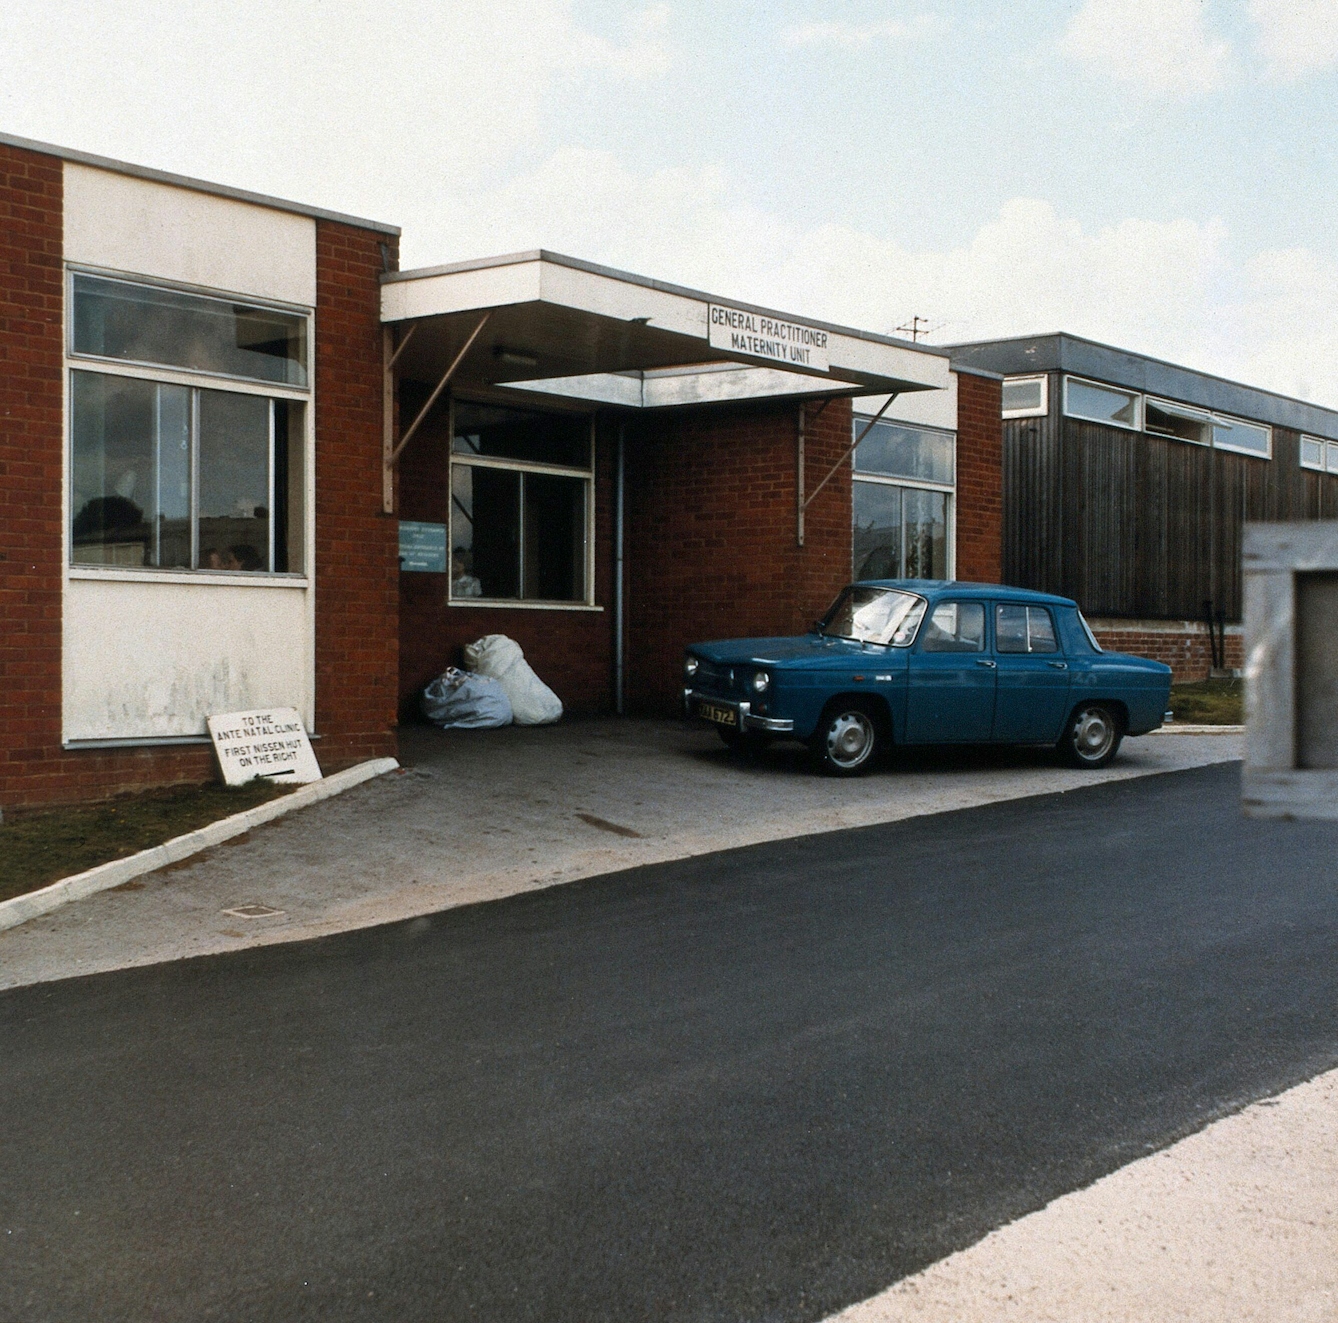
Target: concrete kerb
[1188, 728]
[22, 908]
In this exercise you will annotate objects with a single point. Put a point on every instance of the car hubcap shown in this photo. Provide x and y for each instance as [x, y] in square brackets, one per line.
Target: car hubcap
[849, 739]
[1094, 734]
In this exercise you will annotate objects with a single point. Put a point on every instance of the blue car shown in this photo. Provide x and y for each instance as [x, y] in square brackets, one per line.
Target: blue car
[909, 661]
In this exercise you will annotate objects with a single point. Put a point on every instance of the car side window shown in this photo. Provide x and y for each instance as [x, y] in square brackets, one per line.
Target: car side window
[955, 627]
[1024, 629]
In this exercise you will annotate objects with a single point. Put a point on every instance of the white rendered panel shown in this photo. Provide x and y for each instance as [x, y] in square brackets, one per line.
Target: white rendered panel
[872, 358]
[460, 291]
[144, 660]
[921, 408]
[624, 299]
[121, 223]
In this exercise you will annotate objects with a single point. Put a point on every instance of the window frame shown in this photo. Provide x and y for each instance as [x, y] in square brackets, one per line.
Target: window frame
[1322, 443]
[1232, 421]
[1037, 411]
[946, 489]
[1028, 651]
[950, 531]
[1186, 411]
[1141, 400]
[1134, 395]
[922, 642]
[138, 366]
[586, 603]
[194, 380]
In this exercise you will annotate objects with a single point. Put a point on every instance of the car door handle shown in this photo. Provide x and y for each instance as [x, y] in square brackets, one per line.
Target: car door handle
[982, 661]
[1060, 666]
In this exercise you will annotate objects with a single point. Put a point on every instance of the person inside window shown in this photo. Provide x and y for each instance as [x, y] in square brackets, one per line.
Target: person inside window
[463, 584]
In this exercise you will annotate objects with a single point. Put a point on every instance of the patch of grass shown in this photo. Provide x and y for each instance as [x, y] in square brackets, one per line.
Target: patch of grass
[1209, 702]
[44, 845]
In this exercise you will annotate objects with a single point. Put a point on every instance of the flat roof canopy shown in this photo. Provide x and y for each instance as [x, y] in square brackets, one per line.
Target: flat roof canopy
[567, 331]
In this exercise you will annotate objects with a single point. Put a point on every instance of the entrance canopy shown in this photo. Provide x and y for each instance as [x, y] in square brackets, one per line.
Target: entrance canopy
[566, 332]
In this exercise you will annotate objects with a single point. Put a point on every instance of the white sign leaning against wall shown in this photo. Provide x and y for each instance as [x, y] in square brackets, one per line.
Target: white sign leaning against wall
[268, 742]
[758, 335]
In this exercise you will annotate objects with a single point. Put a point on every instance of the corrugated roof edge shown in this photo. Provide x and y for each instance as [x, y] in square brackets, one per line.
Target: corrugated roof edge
[197, 185]
[1059, 337]
[648, 282]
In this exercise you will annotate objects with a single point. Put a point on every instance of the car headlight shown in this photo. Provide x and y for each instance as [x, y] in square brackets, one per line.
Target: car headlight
[760, 682]
[690, 665]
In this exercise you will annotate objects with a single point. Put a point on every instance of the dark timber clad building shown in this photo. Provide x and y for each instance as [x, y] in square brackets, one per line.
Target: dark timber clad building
[1127, 481]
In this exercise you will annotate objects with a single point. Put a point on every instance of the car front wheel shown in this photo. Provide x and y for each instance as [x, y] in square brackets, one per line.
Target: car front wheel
[1092, 737]
[845, 742]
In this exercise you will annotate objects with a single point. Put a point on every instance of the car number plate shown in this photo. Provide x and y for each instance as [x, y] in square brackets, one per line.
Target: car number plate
[722, 716]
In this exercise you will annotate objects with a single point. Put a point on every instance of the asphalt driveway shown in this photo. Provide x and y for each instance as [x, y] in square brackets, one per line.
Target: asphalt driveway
[478, 815]
[759, 1084]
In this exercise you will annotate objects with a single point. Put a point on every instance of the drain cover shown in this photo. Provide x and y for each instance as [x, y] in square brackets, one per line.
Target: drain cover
[253, 912]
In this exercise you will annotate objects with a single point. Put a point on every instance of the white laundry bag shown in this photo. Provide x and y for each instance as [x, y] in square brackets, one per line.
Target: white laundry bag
[533, 703]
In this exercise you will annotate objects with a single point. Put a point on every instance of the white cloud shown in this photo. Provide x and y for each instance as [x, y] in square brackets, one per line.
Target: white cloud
[1296, 37]
[1160, 46]
[367, 107]
[857, 36]
[1285, 322]
[645, 52]
[1170, 288]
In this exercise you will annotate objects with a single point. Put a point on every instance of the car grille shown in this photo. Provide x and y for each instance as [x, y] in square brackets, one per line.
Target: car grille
[713, 679]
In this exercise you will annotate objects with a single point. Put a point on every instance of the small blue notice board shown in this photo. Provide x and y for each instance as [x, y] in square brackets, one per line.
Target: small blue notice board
[422, 547]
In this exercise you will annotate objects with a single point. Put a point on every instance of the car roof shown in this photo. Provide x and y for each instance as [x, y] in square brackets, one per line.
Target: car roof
[968, 591]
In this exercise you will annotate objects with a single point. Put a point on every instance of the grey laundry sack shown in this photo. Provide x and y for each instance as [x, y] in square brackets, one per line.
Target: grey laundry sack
[459, 700]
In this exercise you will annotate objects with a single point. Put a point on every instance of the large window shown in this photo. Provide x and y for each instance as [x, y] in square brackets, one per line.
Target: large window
[1248, 438]
[1177, 420]
[178, 478]
[902, 502]
[1122, 408]
[1101, 404]
[169, 475]
[1317, 453]
[148, 324]
[521, 505]
[1025, 397]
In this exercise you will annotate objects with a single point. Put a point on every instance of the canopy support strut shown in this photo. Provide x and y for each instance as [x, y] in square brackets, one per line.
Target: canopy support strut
[392, 455]
[831, 473]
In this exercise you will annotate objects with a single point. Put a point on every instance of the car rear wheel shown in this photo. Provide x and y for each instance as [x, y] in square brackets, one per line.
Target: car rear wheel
[1092, 737]
[846, 741]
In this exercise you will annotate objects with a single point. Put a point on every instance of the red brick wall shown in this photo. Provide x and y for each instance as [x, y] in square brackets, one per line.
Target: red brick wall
[31, 469]
[1183, 646]
[357, 608]
[34, 769]
[979, 479]
[357, 546]
[711, 546]
[571, 651]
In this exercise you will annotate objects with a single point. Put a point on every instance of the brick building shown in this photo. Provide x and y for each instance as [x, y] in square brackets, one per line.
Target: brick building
[245, 461]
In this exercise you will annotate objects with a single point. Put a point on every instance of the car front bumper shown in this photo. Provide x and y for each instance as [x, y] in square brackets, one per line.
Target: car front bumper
[744, 718]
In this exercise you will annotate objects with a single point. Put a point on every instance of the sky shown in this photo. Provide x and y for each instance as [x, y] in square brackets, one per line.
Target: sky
[1155, 174]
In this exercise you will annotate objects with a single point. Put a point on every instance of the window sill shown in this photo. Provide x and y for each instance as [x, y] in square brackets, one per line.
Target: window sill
[211, 577]
[507, 604]
[145, 742]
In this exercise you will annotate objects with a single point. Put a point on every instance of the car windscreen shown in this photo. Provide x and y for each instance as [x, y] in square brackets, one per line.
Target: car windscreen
[875, 615]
